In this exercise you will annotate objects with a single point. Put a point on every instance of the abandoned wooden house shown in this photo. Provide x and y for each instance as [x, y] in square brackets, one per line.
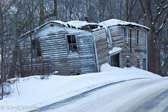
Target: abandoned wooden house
[130, 44]
[79, 47]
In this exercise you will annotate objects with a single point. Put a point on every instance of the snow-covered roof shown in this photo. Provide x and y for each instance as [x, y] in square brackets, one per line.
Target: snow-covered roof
[79, 24]
[59, 22]
[115, 22]
[92, 26]
[53, 21]
[115, 50]
[72, 24]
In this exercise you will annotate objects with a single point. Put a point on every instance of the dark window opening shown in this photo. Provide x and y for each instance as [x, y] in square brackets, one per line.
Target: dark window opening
[36, 50]
[137, 36]
[144, 63]
[125, 34]
[72, 45]
[115, 60]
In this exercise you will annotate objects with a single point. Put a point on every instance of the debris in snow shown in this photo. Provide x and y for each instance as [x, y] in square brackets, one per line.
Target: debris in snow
[54, 73]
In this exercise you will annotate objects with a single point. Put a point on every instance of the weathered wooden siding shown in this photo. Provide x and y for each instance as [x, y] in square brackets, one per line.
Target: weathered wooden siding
[101, 46]
[117, 36]
[55, 52]
[138, 50]
[130, 49]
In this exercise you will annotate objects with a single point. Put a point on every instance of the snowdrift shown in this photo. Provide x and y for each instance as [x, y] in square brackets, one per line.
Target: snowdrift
[33, 92]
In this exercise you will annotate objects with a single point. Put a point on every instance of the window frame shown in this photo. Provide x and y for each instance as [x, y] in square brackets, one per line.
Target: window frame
[137, 36]
[125, 34]
[36, 48]
[108, 35]
[68, 48]
[144, 63]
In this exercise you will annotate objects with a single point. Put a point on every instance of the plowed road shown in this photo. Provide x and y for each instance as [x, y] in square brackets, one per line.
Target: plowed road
[136, 95]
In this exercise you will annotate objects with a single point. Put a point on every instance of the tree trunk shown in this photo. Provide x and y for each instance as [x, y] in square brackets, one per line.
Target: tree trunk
[41, 21]
[151, 52]
[2, 47]
[151, 47]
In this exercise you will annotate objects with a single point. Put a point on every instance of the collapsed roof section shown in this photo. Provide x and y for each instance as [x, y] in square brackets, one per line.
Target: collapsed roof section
[83, 25]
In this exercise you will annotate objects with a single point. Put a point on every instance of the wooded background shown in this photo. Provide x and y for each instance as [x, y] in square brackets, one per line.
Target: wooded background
[20, 16]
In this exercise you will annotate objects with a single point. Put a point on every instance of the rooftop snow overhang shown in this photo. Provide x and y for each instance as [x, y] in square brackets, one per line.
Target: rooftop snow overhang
[82, 25]
[63, 24]
[116, 22]
[115, 50]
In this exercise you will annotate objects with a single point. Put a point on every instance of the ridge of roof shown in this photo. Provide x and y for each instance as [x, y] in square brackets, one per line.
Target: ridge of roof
[79, 24]
[116, 22]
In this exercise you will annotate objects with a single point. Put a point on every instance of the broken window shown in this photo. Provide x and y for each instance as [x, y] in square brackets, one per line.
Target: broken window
[125, 34]
[36, 50]
[109, 40]
[72, 45]
[137, 36]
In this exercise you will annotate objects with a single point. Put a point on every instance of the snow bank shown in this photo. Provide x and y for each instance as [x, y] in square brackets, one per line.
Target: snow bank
[127, 72]
[35, 93]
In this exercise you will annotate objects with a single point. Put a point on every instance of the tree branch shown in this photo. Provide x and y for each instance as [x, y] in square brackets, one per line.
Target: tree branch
[162, 25]
[8, 7]
[159, 14]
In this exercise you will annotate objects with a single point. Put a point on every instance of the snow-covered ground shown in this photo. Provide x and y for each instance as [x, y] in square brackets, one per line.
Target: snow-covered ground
[33, 92]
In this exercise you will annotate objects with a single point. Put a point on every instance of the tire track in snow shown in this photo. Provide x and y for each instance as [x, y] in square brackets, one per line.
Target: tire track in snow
[157, 104]
[85, 94]
[81, 95]
[118, 101]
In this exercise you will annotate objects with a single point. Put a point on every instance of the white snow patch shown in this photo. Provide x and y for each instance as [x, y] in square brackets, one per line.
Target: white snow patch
[35, 92]
[79, 24]
[115, 50]
[115, 22]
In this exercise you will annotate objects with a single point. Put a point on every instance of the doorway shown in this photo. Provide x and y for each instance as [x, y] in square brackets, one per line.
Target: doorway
[115, 60]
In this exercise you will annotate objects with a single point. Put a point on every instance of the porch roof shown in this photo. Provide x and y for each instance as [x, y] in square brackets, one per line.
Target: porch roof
[115, 50]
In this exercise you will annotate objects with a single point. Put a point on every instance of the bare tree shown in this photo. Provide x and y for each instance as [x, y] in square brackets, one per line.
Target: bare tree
[152, 19]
